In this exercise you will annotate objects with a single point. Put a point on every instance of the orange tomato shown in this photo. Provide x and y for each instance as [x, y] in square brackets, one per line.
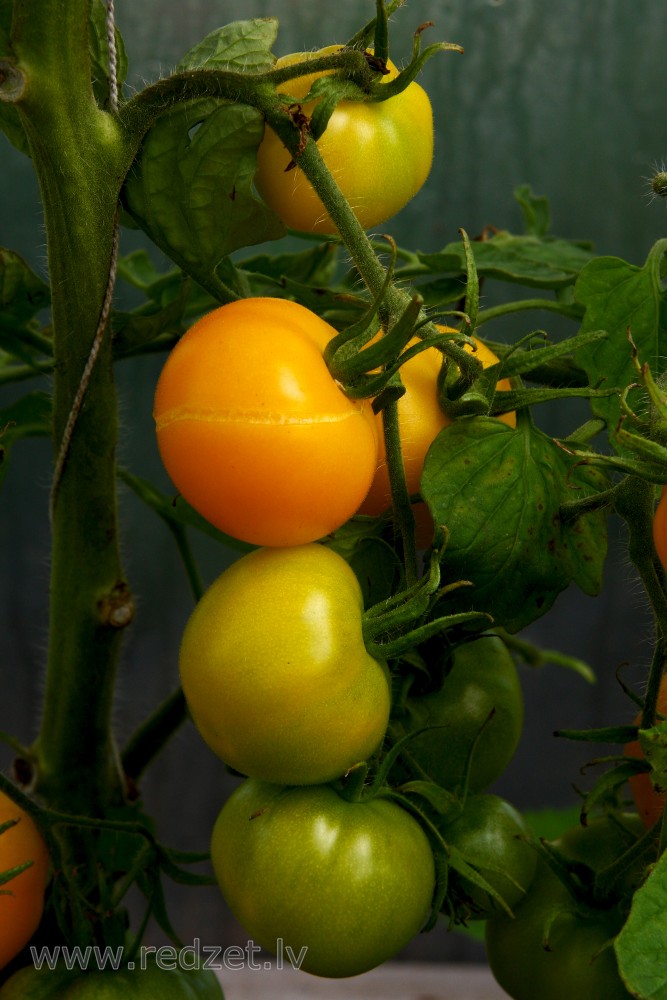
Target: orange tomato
[253, 430]
[22, 898]
[420, 420]
[650, 803]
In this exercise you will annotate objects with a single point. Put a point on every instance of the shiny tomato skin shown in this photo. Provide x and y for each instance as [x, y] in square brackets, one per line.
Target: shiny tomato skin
[420, 419]
[649, 802]
[351, 882]
[379, 153]
[253, 430]
[483, 678]
[22, 898]
[275, 671]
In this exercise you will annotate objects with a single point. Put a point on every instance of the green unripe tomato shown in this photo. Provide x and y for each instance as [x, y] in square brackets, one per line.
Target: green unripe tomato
[493, 838]
[483, 679]
[342, 885]
[555, 947]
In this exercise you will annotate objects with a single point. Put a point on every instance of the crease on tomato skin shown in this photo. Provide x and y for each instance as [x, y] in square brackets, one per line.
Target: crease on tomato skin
[274, 419]
[253, 431]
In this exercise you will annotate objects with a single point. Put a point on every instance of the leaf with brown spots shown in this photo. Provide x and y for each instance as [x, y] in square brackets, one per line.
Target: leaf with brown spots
[498, 492]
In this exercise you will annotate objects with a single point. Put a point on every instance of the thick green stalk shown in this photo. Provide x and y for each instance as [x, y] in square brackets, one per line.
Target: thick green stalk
[79, 156]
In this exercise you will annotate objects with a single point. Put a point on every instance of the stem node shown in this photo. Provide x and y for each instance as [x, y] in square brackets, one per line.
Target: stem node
[12, 81]
[116, 609]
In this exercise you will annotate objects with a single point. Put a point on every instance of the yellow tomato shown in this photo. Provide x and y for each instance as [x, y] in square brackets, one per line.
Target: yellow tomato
[379, 153]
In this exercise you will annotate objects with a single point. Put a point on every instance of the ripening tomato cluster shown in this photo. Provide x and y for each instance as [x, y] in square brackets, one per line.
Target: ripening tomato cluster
[261, 440]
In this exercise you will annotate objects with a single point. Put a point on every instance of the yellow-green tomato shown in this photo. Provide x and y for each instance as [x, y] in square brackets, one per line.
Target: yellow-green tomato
[380, 154]
[335, 887]
[275, 672]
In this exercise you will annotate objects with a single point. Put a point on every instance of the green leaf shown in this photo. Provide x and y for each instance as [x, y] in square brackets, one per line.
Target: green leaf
[242, 45]
[373, 560]
[536, 211]
[316, 266]
[640, 946]
[191, 188]
[621, 297]
[441, 291]
[541, 262]
[30, 416]
[99, 53]
[22, 292]
[498, 493]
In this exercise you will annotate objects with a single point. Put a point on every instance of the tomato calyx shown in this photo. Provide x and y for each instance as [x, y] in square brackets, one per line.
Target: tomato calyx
[396, 625]
[603, 879]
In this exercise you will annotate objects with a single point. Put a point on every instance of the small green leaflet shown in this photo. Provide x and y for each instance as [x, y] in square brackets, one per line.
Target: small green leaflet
[621, 298]
[498, 492]
[241, 45]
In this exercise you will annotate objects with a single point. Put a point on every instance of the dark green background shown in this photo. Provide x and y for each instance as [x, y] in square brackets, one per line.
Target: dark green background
[569, 97]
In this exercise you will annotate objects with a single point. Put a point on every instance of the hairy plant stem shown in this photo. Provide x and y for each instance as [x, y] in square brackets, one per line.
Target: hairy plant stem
[79, 158]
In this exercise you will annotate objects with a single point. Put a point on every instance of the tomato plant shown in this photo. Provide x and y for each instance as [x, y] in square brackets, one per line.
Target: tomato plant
[380, 154]
[494, 838]
[268, 431]
[253, 430]
[142, 982]
[22, 896]
[272, 658]
[472, 722]
[344, 884]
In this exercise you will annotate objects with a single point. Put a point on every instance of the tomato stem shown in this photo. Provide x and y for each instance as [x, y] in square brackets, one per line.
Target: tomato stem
[404, 520]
